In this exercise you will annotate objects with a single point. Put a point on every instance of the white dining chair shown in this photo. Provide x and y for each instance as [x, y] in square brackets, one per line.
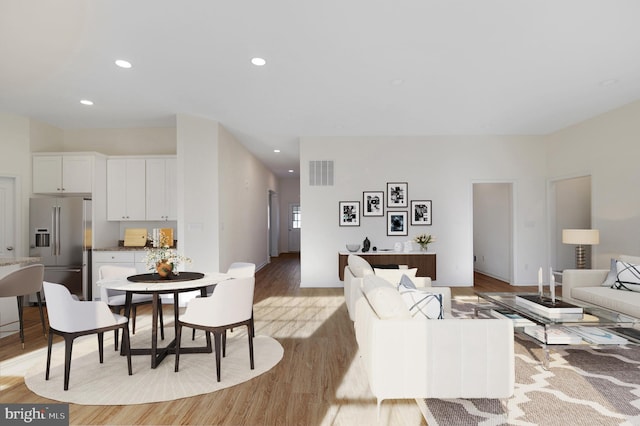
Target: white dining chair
[116, 298]
[230, 305]
[71, 318]
[236, 270]
[23, 282]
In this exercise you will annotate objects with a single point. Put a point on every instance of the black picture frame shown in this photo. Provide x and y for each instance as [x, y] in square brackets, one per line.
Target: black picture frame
[397, 223]
[349, 213]
[397, 194]
[372, 203]
[421, 213]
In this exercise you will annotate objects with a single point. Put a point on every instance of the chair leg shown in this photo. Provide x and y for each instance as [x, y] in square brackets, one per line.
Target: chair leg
[50, 343]
[193, 334]
[224, 343]
[44, 330]
[116, 334]
[68, 347]
[178, 339]
[126, 344]
[21, 319]
[133, 318]
[161, 319]
[217, 337]
[101, 347]
[249, 328]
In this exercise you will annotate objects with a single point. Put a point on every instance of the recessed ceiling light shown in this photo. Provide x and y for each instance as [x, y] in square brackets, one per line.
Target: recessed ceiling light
[276, 150]
[86, 102]
[123, 64]
[290, 170]
[258, 62]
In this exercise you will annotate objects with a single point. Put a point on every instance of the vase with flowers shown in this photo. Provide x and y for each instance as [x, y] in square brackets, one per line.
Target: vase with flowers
[162, 258]
[424, 240]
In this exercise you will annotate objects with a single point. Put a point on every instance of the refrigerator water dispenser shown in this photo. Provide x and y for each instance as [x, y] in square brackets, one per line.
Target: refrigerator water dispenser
[42, 237]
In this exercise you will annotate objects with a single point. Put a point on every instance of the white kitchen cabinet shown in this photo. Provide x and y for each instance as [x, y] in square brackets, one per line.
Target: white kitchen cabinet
[62, 173]
[161, 192]
[126, 189]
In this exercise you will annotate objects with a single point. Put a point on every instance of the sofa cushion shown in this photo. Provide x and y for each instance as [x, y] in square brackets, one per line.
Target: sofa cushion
[406, 282]
[628, 276]
[626, 302]
[612, 276]
[384, 298]
[358, 266]
[422, 303]
[394, 275]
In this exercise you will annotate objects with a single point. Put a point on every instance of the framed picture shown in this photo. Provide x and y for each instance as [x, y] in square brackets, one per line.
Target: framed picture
[421, 212]
[397, 223]
[349, 213]
[373, 203]
[397, 194]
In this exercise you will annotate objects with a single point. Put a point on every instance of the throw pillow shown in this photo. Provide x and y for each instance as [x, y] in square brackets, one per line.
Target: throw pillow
[394, 275]
[628, 276]
[359, 267]
[384, 299]
[422, 304]
[406, 282]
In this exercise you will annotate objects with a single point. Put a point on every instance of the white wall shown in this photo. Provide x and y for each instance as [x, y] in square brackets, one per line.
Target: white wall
[288, 193]
[437, 168]
[135, 141]
[492, 229]
[244, 186]
[607, 148]
[571, 210]
[198, 192]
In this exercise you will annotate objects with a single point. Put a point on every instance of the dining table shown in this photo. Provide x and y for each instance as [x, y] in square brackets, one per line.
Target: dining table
[156, 286]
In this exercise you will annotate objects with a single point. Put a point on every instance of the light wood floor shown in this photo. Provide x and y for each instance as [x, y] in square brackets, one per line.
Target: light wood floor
[319, 380]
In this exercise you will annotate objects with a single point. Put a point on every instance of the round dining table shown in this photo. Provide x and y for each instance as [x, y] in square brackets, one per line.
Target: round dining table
[155, 286]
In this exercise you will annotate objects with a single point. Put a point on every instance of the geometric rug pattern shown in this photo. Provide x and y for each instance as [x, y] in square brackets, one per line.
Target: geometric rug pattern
[584, 384]
[92, 383]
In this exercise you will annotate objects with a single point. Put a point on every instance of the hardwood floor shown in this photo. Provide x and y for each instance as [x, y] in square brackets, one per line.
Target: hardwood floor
[319, 380]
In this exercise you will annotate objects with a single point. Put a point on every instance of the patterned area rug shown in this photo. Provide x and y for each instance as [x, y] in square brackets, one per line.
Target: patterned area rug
[584, 385]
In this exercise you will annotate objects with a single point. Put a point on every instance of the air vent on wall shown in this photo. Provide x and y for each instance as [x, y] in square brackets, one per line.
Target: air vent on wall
[321, 173]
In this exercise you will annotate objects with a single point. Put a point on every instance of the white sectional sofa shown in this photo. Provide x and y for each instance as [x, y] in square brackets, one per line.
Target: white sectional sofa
[409, 357]
[594, 286]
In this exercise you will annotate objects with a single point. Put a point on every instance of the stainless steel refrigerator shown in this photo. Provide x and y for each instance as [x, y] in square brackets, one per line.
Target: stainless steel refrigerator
[60, 234]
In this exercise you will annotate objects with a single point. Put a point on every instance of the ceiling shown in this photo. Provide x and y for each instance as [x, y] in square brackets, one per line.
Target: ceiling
[334, 67]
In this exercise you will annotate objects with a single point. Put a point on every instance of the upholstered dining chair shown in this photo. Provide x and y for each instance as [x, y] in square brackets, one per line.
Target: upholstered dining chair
[72, 318]
[236, 270]
[116, 298]
[23, 282]
[229, 306]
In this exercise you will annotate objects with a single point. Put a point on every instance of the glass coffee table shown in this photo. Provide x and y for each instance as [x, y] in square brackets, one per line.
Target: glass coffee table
[592, 316]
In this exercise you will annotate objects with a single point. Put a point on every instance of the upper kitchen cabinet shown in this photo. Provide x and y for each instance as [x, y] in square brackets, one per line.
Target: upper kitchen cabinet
[62, 173]
[126, 189]
[161, 194]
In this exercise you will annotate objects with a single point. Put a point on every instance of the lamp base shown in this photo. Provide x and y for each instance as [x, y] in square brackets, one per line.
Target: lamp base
[581, 259]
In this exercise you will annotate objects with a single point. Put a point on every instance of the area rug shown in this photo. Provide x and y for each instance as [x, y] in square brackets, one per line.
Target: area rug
[584, 385]
[92, 383]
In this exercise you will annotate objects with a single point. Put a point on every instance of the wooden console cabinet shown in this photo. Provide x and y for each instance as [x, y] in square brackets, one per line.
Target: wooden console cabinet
[425, 262]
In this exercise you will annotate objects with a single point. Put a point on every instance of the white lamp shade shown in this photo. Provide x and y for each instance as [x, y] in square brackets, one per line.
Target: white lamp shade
[581, 236]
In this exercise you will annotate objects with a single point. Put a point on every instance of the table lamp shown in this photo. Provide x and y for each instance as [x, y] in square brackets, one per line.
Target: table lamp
[580, 237]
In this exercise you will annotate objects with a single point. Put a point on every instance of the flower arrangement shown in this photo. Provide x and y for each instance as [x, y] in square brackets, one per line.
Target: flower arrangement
[424, 240]
[160, 252]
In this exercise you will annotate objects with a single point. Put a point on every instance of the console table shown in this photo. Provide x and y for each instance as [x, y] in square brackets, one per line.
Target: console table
[424, 261]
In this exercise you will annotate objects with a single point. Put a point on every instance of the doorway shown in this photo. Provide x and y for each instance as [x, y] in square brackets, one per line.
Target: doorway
[295, 224]
[8, 217]
[493, 230]
[273, 223]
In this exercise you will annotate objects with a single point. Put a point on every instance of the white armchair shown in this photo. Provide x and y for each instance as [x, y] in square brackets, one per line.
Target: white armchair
[230, 305]
[71, 318]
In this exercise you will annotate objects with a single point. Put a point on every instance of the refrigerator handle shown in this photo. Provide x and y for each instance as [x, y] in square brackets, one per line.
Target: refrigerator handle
[56, 227]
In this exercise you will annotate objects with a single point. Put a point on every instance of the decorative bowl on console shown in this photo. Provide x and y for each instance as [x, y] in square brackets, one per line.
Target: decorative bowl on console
[353, 247]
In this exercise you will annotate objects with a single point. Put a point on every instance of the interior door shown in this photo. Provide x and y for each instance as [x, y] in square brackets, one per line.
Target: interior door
[295, 223]
[7, 217]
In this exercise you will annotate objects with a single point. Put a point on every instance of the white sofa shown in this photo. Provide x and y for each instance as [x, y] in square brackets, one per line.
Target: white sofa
[593, 286]
[408, 358]
[356, 269]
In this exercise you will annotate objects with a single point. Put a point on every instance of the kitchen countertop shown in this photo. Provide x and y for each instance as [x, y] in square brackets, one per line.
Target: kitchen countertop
[122, 247]
[8, 261]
